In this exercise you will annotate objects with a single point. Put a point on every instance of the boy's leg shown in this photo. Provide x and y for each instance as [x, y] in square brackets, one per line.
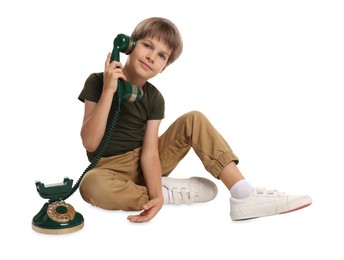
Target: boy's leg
[115, 183]
[193, 130]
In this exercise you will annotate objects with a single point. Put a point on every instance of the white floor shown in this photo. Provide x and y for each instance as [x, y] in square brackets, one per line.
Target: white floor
[268, 74]
[186, 231]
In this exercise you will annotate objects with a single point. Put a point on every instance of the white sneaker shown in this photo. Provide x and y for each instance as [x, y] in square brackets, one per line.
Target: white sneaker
[191, 190]
[262, 202]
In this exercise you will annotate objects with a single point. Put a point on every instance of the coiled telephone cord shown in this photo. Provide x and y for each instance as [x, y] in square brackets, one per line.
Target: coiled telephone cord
[102, 148]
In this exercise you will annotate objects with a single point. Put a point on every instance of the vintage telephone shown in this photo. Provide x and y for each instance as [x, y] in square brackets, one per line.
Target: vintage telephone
[56, 216]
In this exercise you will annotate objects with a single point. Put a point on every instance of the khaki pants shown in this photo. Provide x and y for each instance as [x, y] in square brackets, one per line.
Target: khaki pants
[117, 182]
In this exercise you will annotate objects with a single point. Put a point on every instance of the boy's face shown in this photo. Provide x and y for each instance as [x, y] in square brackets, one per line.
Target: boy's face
[149, 57]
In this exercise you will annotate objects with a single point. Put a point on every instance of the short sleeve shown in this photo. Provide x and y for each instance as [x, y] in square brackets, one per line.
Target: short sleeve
[158, 108]
[92, 88]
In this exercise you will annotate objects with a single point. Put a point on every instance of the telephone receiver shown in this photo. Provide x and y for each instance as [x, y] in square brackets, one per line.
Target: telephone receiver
[56, 216]
[125, 90]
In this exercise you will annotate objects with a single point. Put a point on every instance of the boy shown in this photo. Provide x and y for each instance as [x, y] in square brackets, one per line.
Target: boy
[132, 174]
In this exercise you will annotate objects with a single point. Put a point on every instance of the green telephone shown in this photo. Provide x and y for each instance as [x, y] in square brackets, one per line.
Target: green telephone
[56, 216]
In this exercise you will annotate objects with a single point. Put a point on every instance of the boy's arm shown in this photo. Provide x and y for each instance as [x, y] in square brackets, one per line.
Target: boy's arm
[96, 114]
[151, 168]
[94, 122]
[150, 161]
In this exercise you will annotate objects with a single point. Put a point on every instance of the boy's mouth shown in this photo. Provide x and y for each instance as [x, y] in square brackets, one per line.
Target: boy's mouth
[145, 65]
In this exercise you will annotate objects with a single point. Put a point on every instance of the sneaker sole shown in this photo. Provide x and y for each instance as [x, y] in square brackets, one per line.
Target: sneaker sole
[304, 206]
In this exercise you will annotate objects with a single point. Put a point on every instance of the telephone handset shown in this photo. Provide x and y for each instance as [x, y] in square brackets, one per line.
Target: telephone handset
[125, 90]
[56, 216]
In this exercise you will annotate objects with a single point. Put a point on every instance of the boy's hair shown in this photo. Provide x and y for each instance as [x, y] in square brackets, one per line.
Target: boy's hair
[161, 29]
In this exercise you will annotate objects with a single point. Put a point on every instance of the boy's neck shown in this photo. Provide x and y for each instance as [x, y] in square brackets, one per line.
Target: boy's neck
[133, 78]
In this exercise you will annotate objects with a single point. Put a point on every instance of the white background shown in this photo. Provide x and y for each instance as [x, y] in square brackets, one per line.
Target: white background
[268, 74]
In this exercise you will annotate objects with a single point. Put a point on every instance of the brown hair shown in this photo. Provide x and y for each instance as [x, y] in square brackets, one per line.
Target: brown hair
[161, 29]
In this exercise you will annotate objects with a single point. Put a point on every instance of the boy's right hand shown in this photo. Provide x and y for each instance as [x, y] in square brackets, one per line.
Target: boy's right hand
[112, 72]
[150, 209]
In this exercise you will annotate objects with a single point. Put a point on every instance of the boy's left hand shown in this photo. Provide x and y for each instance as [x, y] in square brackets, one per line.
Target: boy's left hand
[150, 209]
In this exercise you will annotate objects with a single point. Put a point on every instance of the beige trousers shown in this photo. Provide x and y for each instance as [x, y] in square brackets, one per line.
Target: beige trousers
[117, 182]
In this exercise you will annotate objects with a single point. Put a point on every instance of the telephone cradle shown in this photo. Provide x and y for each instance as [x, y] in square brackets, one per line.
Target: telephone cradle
[56, 216]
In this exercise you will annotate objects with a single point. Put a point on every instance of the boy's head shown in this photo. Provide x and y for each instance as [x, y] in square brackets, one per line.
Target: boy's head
[161, 29]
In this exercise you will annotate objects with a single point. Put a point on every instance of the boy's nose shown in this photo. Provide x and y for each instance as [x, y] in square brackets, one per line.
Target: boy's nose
[150, 57]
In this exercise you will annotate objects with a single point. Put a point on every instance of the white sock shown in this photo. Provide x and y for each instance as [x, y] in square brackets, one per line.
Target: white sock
[241, 190]
[166, 195]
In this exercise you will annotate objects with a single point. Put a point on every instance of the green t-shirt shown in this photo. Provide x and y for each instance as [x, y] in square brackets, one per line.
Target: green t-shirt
[130, 128]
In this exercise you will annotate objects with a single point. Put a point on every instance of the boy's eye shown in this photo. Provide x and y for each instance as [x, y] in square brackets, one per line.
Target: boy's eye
[147, 45]
[162, 56]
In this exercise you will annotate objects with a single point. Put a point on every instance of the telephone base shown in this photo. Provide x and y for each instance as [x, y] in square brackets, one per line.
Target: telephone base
[57, 218]
[57, 231]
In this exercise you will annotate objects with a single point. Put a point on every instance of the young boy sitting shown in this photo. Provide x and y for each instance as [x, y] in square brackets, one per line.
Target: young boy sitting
[133, 173]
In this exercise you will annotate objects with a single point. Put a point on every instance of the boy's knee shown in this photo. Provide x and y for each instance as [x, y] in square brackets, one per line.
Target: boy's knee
[88, 186]
[108, 192]
[195, 117]
[94, 188]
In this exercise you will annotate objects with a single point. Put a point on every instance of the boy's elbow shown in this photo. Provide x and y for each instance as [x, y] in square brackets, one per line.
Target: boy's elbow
[89, 144]
[90, 147]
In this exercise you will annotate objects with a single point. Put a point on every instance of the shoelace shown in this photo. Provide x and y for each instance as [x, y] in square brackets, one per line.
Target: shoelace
[181, 195]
